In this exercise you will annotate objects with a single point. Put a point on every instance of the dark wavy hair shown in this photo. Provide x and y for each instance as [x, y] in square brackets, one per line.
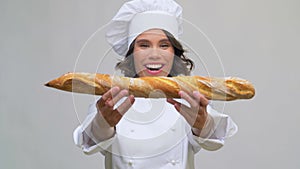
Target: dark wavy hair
[181, 64]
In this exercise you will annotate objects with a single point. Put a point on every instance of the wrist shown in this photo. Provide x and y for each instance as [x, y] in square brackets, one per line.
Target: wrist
[100, 129]
[100, 122]
[207, 129]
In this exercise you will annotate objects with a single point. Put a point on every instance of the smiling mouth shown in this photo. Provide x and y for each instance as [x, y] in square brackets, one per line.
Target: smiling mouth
[154, 67]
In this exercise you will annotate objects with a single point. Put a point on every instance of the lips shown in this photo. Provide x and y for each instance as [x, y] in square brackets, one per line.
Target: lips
[154, 69]
[154, 66]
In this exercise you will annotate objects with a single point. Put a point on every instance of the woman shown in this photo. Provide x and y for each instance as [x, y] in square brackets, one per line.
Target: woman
[143, 133]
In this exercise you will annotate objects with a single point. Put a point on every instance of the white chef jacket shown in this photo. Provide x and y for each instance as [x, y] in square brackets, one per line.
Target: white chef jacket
[152, 134]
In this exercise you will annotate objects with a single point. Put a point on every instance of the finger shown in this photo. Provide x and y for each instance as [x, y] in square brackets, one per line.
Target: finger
[204, 101]
[185, 111]
[110, 93]
[193, 103]
[107, 97]
[117, 97]
[124, 107]
[115, 117]
[189, 116]
[172, 101]
[197, 96]
[176, 104]
[181, 108]
[118, 113]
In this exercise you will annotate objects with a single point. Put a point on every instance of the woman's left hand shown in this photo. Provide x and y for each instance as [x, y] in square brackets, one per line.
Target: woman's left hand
[195, 114]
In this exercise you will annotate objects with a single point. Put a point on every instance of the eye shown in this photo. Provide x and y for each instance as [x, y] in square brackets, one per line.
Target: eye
[165, 45]
[144, 45]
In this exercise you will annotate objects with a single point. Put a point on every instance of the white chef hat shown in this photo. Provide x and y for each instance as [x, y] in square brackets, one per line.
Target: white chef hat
[137, 16]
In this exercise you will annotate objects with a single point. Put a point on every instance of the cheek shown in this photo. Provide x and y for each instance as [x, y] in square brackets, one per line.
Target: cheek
[137, 62]
[169, 58]
[169, 54]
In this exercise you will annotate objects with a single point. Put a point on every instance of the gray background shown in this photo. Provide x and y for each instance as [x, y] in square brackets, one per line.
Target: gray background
[40, 40]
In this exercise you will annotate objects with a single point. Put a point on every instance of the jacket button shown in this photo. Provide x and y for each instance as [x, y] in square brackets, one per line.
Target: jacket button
[130, 163]
[173, 162]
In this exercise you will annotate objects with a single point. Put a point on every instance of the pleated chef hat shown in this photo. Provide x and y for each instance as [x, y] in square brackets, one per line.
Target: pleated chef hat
[137, 16]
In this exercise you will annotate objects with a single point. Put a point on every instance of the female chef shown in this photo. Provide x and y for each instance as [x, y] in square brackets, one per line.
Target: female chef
[151, 133]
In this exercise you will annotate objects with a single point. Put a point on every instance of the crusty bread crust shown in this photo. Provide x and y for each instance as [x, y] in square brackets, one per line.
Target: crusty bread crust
[226, 89]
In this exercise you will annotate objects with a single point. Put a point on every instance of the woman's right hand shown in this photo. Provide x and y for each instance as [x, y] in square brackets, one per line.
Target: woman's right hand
[105, 105]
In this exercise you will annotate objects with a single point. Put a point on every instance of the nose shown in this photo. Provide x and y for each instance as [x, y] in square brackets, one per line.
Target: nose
[154, 54]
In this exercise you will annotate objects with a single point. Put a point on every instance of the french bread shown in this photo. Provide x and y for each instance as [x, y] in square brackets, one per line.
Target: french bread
[225, 89]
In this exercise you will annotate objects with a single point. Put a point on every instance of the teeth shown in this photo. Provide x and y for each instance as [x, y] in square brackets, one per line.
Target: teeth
[154, 66]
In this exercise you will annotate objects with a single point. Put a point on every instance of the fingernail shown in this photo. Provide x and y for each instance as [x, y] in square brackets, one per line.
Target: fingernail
[180, 93]
[196, 92]
[125, 92]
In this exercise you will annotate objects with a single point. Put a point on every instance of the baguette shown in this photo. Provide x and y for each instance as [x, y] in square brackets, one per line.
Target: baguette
[225, 89]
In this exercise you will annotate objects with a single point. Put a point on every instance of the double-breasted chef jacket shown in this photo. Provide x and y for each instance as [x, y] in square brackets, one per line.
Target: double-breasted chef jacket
[152, 134]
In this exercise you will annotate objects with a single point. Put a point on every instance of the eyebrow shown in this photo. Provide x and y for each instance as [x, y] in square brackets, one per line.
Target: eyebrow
[146, 40]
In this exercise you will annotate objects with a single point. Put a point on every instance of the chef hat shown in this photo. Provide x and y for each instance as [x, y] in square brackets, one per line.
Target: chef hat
[137, 16]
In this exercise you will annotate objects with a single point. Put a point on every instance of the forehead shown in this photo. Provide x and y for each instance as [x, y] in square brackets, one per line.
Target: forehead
[152, 34]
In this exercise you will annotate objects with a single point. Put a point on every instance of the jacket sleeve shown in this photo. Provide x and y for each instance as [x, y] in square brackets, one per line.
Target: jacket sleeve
[224, 127]
[83, 137]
